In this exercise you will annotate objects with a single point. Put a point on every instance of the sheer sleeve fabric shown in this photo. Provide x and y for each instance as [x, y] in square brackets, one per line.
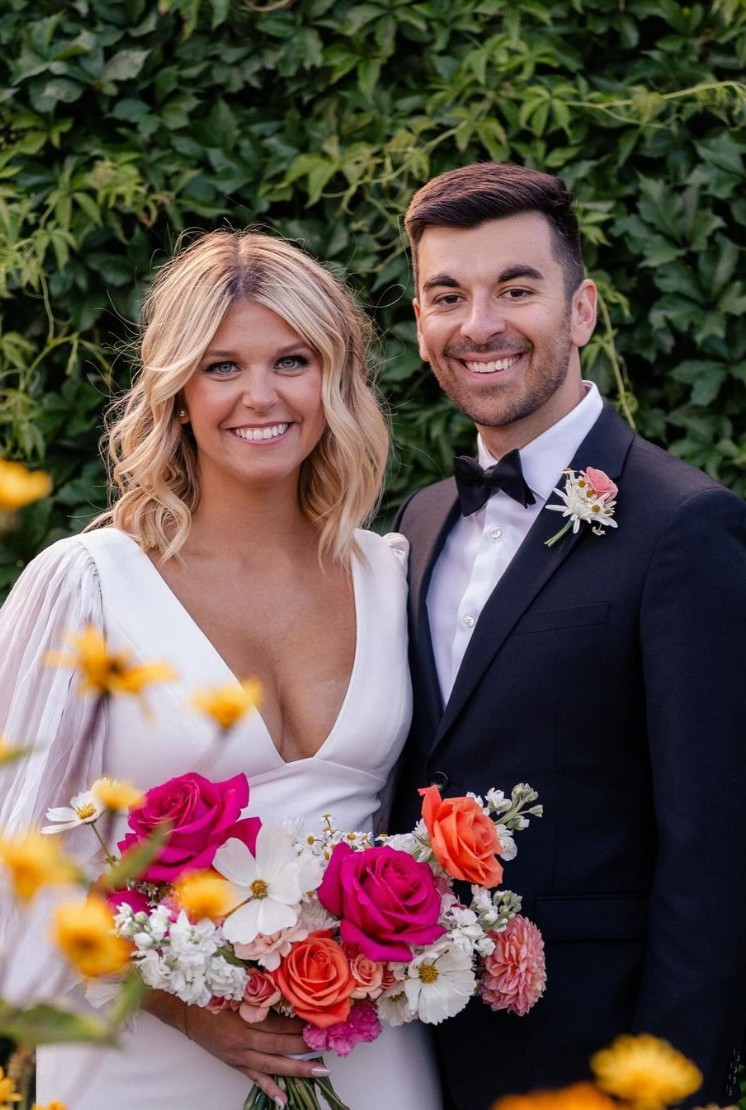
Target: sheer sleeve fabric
[57, 594]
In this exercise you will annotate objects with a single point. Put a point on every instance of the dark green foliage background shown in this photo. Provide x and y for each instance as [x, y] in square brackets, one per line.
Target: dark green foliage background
[124, 123]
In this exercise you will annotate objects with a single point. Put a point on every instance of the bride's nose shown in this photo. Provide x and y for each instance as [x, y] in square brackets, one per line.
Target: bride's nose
[258, 390]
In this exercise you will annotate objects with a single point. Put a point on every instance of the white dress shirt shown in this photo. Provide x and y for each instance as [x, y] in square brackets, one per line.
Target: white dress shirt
[480, 547]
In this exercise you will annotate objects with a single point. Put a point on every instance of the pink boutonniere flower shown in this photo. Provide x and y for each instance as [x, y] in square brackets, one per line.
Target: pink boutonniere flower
[587, 498]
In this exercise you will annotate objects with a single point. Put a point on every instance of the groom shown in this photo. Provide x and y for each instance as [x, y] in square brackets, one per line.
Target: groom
[607, 669]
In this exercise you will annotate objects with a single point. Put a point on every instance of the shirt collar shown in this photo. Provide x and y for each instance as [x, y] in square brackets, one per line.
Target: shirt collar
[544, 458]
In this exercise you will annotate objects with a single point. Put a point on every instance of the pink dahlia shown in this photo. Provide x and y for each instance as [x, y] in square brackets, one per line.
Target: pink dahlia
[362, 1025]
[515, 973]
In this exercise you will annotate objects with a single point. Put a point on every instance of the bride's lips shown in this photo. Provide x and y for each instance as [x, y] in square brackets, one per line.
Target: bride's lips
[261, 433]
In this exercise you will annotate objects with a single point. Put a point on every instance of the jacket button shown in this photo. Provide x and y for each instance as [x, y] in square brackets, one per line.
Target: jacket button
[439, 779]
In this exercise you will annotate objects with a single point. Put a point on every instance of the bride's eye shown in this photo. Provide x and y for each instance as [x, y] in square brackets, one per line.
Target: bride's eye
[292, 362]
[220, 369]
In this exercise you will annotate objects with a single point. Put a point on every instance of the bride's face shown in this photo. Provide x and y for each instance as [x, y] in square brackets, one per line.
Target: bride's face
[254, 402]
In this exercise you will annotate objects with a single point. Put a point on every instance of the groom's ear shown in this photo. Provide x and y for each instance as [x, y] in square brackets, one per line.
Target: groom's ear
[424, 355]
[583, 312]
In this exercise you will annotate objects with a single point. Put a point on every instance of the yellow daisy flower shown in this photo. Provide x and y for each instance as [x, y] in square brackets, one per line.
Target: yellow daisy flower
[19, 486]
[204, 894]
[228, 704]
[8, 1091]
[107, 672]
[85, 935]
[115, 795]
[645, 1070]
[34, 861]
[579, 1096]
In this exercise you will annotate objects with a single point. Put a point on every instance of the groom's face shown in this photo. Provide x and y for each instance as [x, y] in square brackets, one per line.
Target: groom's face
[497, 325]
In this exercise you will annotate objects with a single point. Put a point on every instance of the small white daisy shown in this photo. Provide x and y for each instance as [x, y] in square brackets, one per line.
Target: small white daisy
[84, 809]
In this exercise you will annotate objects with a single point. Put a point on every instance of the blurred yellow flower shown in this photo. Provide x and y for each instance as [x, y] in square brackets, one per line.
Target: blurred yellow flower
[19, 486]
[53, 1105]
[228, 704]
[8, 1092]
[579, 1096]
[10, 752]
[103, 671]
[204, 894]
[34, 861]
[645, 1070]
[116, 795]
[85, 934]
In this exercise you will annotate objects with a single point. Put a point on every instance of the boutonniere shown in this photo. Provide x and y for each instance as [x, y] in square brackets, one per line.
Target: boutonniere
[587, 498]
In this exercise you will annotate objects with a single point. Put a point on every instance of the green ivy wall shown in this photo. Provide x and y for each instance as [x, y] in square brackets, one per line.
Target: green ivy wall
[124, 122]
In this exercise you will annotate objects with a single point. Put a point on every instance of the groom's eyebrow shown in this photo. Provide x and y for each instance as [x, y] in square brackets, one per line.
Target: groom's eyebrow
[520, 270]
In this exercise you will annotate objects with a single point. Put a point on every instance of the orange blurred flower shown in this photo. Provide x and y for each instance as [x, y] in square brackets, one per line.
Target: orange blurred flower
[19, 486]
[103, 671]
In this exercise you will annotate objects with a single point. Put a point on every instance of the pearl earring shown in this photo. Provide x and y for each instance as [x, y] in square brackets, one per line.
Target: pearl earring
[182, 412]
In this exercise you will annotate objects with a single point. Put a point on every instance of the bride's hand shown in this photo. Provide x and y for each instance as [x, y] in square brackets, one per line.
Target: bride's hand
[258, 1050]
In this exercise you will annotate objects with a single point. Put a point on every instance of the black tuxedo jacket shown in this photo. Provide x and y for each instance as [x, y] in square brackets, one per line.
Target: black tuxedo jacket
[609, 672]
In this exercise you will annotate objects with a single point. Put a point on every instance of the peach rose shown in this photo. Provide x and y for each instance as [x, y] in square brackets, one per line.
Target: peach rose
[463, 837]
[367, 973]
[600, 483]
[315, 978]
[260, 993]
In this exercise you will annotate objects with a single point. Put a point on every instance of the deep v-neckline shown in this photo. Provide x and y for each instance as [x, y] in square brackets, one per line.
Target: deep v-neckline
[199, 632]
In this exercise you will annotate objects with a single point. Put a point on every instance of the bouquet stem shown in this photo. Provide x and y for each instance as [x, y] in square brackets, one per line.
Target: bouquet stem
[303, 1094]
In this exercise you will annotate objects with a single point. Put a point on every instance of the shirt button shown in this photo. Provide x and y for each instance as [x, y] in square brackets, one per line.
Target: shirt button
[439, 779]
[495, 533]
[469, 621]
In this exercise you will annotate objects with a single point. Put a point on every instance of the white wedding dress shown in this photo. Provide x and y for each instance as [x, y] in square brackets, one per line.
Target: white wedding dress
[102, 578]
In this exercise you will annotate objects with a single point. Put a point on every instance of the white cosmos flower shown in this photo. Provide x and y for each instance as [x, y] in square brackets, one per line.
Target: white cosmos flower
[84, 809]
[394, 1009]
[440, 982]
[267, 886]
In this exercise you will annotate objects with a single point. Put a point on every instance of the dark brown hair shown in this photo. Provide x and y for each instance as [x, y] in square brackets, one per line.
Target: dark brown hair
[471, 195]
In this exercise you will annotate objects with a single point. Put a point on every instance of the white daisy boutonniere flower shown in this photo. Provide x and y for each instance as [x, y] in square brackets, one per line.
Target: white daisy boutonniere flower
[587, 498]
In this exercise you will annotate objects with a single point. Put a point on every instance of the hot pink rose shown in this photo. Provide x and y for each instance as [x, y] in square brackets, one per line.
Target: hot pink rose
[600, 483]
[386, 901]
[515, 973]
[202, 815]
[135, 899]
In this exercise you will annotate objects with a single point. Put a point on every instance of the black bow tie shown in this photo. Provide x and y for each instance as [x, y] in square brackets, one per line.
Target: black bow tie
[475, 485]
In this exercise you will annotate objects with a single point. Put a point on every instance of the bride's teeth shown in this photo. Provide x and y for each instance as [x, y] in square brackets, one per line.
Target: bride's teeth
[491, 367]
[255, 434]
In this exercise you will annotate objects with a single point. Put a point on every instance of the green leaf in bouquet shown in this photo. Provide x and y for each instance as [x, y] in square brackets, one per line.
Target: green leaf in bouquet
[134, 862]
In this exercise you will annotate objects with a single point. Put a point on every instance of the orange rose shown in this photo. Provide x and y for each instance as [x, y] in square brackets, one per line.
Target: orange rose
[463, 837]
[315, 978]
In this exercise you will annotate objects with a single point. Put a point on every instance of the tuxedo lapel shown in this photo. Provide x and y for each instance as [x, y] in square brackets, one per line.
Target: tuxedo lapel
[432, 537]
[605, 448]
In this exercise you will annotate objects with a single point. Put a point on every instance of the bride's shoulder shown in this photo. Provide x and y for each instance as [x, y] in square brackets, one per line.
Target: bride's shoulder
[391, 548]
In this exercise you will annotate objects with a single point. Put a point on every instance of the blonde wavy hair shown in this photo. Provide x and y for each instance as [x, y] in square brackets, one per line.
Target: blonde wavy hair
[152, 458]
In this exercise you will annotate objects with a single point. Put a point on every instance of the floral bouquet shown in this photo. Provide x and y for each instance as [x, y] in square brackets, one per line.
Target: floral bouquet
[345, 932]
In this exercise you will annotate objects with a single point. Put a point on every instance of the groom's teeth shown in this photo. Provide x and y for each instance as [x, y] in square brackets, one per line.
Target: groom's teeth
[271, 432]
[491, 367]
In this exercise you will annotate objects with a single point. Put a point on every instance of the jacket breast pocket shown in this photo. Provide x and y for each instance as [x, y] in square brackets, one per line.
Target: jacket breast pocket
[553, 620]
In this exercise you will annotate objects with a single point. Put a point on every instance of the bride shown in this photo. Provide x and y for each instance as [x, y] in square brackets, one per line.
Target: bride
[244, 459]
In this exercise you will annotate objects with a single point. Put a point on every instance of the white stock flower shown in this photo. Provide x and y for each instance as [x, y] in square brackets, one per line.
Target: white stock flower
[267, 886]
[84, 809]
[440, 982]
[508, 849]
[225, 980]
